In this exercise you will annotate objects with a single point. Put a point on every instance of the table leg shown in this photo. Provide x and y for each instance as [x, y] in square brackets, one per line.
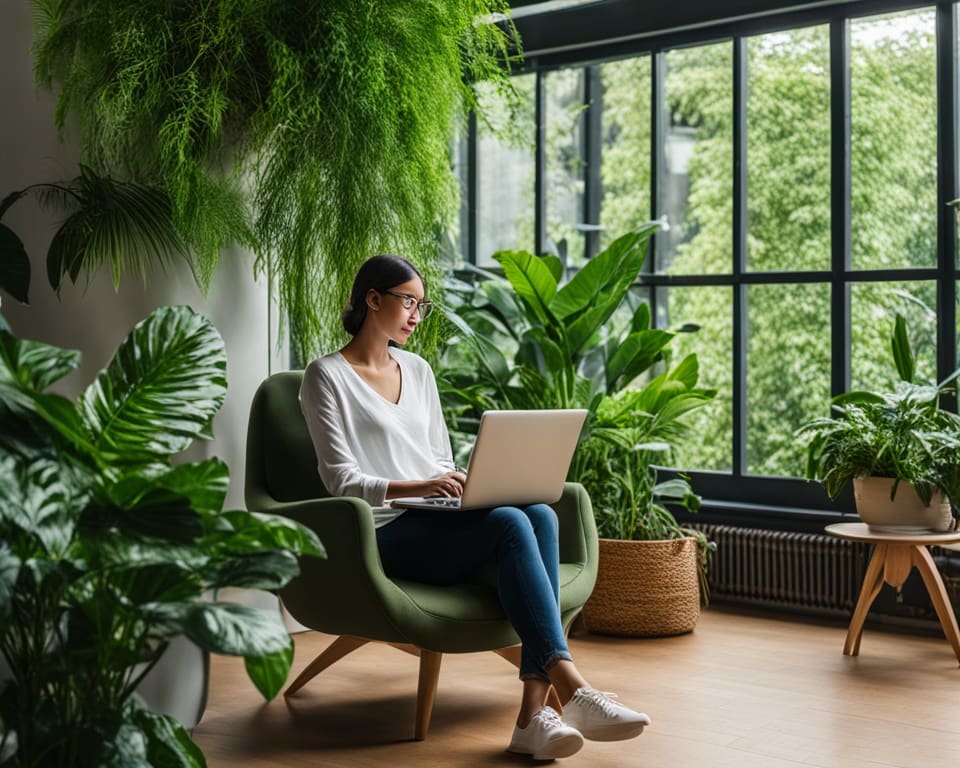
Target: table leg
[872, 582]
[938, 595]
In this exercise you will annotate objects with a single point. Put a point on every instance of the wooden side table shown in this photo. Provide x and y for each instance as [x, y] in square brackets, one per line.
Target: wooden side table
[894, 555]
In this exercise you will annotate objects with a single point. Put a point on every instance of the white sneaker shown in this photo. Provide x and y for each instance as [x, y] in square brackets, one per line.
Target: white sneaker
[546, 737]
[598, 717]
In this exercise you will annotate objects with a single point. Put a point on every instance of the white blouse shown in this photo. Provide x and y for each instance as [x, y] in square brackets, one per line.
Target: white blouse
[362, 440]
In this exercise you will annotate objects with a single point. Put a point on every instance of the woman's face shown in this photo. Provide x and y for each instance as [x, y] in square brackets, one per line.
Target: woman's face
[388, 309]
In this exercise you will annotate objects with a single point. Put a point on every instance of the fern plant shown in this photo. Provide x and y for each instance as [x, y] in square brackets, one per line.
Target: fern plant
[317, 133]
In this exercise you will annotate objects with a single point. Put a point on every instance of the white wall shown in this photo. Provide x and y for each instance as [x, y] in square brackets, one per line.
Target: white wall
[94, 318]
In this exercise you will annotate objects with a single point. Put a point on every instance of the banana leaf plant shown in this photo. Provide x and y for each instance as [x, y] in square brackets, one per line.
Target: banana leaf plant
[542, 344]
[526, 340]
[108, 549]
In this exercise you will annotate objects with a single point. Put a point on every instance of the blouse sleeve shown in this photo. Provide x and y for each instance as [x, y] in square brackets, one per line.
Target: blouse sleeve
[336, 464]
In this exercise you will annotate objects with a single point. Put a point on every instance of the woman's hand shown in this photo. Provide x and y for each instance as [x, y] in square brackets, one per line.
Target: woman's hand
[449, 484]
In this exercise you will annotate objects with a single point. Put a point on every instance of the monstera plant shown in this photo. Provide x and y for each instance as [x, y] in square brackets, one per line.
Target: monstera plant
[108, 549]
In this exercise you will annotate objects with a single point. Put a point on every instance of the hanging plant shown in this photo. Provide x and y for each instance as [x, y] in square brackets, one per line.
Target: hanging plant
[317, 133]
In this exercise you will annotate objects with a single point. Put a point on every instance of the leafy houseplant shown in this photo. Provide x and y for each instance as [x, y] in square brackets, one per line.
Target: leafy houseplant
[532, 343]
[322, 128]
[125, 224]
[107, 549]
[905, 435]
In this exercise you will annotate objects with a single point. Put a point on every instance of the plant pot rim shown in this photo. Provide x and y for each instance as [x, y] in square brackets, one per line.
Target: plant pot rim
[649, 541]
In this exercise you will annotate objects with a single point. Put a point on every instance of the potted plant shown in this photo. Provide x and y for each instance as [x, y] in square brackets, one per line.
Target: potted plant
[652, 574]
[125, 224]
[531, 342]
[109, 551]
[900, 448]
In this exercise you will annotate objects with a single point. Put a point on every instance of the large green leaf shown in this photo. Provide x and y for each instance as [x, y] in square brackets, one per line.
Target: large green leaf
[230, 628]
[201, 486]
[34, 365]
[533, 281]
[255, 531]
[269, 672]
[489, 356]
[168, 743]
[41, 501]
[635, 355]
[608, 273]
[161, 389]
[14, 265]
[159, 513]
[253, 570]
[538, 350]
[902, 354]
[9, 570]
[595, 292]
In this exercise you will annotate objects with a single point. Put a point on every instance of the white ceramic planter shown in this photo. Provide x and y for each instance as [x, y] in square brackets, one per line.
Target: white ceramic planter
[905, 513]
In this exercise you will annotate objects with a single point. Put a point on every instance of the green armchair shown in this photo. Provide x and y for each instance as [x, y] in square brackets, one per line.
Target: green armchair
[347, 594]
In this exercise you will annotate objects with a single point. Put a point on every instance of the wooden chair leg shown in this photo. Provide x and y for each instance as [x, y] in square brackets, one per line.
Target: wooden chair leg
[426, 691]
[333, 653]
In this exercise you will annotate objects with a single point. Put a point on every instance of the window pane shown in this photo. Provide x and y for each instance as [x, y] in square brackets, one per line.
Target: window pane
[788, 372]
[625, 163]
[697, 188]
[894, 141]
[873, 308]
[788, 150]
[505, 169]
[711, 446]
[563, 91]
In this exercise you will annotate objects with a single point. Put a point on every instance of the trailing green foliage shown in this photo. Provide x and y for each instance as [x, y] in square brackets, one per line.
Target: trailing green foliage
[107, 548]
[527, 341]
[904, 434]
[324, 126]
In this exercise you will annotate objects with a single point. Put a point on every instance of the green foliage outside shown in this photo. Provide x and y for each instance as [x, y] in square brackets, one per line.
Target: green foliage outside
[316, 133]
[893, 218]
[108, 549]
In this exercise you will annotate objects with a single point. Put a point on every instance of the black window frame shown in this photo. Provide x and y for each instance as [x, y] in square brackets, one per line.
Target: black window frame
[735, 496]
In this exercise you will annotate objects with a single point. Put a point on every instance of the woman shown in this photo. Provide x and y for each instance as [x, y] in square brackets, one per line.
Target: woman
[374, 415]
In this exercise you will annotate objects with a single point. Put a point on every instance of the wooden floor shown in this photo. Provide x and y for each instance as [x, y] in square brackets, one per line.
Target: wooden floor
[742, 691]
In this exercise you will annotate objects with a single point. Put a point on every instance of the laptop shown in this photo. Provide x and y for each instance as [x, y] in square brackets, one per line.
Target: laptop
[520, 457]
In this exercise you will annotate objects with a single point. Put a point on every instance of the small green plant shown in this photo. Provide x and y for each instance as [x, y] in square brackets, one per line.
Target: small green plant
[905, 434]
[108, 550]
[106, 221]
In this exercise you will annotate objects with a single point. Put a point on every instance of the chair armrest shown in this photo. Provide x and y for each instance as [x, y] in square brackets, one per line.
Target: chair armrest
[345, 592]
[578, 529]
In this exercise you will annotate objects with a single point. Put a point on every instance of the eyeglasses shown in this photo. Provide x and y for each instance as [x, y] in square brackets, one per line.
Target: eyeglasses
[423, 307]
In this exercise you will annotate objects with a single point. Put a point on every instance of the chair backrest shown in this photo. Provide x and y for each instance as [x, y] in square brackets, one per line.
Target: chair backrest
[281, 461]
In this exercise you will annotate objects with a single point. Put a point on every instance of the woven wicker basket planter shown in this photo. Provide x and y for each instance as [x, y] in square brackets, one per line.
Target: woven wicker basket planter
[645, 589]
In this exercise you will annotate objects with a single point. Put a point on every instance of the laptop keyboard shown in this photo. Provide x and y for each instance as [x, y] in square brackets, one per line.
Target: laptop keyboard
[442, 501]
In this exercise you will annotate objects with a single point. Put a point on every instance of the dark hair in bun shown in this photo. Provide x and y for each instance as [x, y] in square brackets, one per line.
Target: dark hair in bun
[379, 273]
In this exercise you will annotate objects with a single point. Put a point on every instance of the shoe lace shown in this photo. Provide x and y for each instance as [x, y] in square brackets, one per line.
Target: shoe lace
[550, 716]
[601, 700]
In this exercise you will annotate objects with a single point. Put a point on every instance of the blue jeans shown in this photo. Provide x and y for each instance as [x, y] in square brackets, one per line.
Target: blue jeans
[448, 547]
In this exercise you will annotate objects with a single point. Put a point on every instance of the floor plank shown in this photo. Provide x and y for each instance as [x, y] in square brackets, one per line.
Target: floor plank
[742, 690]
